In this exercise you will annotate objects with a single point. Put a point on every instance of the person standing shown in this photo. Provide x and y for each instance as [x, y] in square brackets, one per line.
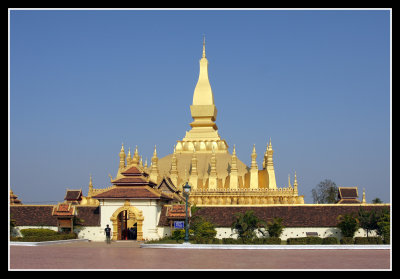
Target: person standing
[107, 231]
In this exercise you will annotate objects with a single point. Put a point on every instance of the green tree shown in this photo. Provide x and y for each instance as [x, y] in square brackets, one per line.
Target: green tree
[348, 224]
[202, 228]
[247, 225]
[368, 220]
[275, 227]
[325, 192]
[377, 200]
[383, 225]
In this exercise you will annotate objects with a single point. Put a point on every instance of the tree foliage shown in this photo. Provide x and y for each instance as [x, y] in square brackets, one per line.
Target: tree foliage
[247, 225]
[348, 224]
[368, 220]
[202, 228]
[275, 227]
[377, 200]
[325, 192]
[383, 225]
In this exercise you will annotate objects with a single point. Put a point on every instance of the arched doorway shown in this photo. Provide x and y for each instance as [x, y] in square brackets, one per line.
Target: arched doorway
[127, 221]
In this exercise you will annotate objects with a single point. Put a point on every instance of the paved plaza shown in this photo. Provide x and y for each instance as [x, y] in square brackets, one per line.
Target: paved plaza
[129, 255]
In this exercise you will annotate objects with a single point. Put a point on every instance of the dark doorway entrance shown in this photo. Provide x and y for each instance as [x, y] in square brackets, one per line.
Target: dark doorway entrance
[125, 232]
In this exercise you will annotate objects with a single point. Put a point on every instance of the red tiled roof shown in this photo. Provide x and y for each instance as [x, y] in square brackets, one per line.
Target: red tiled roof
[348, 192]
[33, 215]
[131, 192]
[63, 209]
[293, 216]
[132, 171]
[73, 195]
[89, 215]
[41, 215]
[130, 180]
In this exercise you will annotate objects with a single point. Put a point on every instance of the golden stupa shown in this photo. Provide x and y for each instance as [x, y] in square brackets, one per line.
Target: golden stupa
[202, 159]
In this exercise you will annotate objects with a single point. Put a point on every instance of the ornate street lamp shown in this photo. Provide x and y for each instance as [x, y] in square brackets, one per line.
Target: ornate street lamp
[186, 192]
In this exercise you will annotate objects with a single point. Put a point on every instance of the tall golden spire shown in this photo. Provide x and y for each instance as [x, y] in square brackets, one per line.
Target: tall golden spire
[204, 47]
[204, 114]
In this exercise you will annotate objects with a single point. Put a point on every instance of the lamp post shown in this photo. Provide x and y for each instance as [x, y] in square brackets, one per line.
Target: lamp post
[186, 190]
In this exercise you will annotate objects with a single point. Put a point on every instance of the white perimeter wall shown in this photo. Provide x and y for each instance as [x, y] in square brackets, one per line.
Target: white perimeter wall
[299, 232]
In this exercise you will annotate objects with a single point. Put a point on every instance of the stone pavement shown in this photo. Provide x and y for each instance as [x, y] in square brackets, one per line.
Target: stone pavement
[129, 255]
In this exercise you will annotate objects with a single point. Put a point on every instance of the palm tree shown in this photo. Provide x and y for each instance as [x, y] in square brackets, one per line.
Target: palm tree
[246, 225]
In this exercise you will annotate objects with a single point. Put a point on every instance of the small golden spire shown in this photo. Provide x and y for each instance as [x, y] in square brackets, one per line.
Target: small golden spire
[234, 150]
[155, 151]
[253, 158]
[290, 186]
[363, 199]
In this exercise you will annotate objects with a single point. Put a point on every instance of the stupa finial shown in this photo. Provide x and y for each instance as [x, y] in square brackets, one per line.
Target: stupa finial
[204, 46]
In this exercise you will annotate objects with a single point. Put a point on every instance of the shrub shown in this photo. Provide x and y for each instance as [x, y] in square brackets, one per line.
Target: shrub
[216, 241]
[296, 240]
[180, 234]
[361, 240]
[368, 240]
[205, 230]
[272, 240]
[347, 240]
[39, 238]
[305, 240]
[38, 232]
[314, 240]
[229, 241]
[330, 240]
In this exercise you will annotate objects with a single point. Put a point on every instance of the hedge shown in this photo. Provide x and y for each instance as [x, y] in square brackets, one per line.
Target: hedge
[39, 238]
[368, 240]
[311, 240]
[330, 240]
[272, 240]
[38, 232]
[347, 240]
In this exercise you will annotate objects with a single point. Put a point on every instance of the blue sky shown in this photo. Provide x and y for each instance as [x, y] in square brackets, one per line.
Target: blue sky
[84, 81]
